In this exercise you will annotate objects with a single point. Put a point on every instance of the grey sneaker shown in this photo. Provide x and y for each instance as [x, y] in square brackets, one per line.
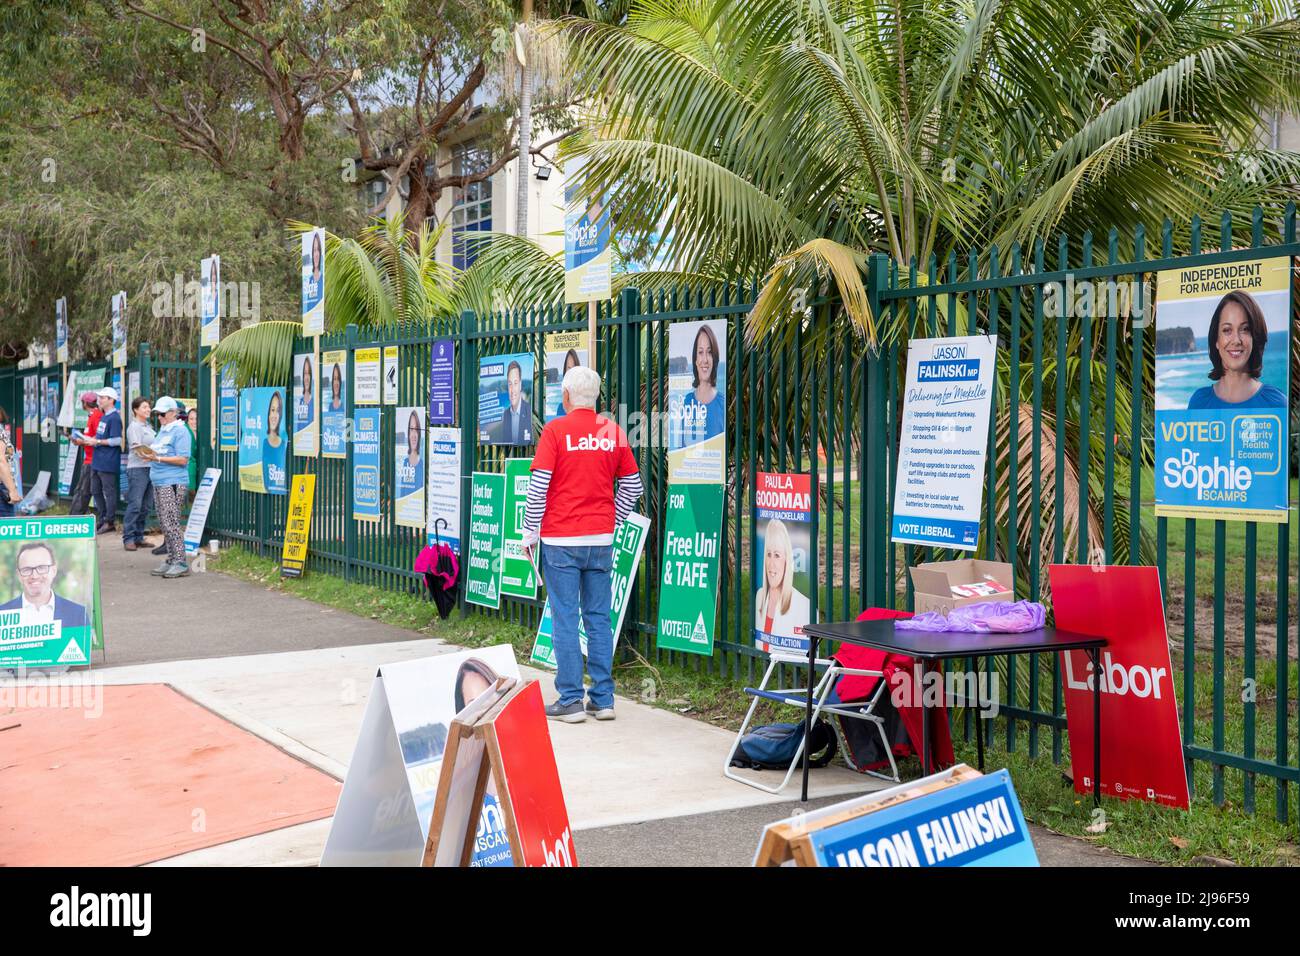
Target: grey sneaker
[569, 713]
[600, 713]
[177, 570]
[161, 569]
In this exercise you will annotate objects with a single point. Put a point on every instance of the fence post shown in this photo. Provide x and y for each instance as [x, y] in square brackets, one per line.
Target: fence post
[468, 436]
[874, 486]
[349, 526]
[629, 401]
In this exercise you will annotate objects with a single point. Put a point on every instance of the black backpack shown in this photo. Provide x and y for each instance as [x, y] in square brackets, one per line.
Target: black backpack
[772, 747]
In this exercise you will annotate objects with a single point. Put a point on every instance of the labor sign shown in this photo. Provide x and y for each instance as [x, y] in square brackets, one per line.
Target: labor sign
[1141, 743]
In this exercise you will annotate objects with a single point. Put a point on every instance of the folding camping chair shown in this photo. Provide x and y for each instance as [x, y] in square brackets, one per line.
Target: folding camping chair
[824, 701]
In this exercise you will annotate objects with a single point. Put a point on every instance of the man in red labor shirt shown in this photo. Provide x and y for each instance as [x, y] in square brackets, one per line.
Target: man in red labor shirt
[573, 509]
[81, 498]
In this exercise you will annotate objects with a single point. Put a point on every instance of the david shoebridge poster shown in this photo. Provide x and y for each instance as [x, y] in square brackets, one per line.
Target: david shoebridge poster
[48, 607]
[1222, 382]
[943, 441]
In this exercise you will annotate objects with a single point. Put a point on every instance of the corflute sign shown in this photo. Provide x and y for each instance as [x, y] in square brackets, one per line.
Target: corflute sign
[943, 441]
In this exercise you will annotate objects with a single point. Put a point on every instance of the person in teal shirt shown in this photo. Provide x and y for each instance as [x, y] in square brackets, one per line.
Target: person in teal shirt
[169, 474]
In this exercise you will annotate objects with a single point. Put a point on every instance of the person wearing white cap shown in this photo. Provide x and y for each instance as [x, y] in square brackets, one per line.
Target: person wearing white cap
[106, 465]
[170, 476]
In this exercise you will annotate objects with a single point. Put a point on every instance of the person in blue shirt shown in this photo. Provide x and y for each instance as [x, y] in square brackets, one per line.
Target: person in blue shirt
[704, 408]
[106, 465]
[1237, 336]
[169, 473]
[274, 479]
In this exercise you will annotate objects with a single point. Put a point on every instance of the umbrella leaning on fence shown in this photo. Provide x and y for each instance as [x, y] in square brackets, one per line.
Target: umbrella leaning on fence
[441, 571]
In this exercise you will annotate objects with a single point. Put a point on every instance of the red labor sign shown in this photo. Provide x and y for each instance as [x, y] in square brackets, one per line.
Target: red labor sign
[1141, 742]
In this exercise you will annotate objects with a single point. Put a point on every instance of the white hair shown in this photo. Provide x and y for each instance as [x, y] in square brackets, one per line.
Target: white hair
[583, 386]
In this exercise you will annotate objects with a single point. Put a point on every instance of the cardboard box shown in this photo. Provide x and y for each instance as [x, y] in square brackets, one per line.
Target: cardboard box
[933, 584]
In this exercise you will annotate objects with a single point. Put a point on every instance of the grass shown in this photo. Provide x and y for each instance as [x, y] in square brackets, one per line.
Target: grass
[1134, 828]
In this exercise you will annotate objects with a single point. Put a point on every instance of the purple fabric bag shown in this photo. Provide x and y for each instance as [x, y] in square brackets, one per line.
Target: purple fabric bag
[986, 617]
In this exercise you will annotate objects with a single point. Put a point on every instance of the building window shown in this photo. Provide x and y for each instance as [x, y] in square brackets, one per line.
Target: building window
[471, 205]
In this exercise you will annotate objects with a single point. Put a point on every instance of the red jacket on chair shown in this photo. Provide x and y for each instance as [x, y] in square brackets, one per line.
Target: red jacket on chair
[850, 688]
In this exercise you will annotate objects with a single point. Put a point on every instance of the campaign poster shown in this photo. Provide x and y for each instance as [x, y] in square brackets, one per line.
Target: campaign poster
[786, 571]
[199, 509]
[487, 498]
[1123, 605]
[564, 350]
[518, 579]
[443, 519]
[87, 380]
[943, 441]
[697, 402]
[629, 544]
[442, 382]
[588, 259]
[31, 423]
[49, 561]
[365, 464]
[210, 300]
[228, 411]
[408, 447]
[297, 527]
[67, 464]
[505, 399]
[390, 374]
[263, 441]
[119, 329]
[334, 404]
[688, 586]
[313, 282]
[386, 806]
[61, 330]
[306, 424]
[366, 375]
[1222, 383]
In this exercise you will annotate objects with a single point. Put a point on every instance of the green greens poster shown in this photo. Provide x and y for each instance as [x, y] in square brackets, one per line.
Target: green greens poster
[688, 583]
[51, 568]
[518, 579]
[629, 542]
[487, 499]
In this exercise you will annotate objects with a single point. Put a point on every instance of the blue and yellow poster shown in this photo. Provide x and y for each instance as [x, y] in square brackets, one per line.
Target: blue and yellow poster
[588, 259]
[263, 442]
[697, 402]
[1222, 382]
[228, 411]
[365, 464]
[306, 426]
[313, 282]
[333, 404]
[408, 448]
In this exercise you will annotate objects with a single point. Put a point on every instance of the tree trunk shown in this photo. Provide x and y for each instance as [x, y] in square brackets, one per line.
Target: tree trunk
[525, 130]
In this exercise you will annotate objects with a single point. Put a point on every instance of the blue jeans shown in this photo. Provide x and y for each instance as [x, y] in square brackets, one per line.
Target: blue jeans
[105, 487]
[138, 498]
[577, 581]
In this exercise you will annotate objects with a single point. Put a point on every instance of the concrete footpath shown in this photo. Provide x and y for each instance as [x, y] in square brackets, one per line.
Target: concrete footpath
[646, 788]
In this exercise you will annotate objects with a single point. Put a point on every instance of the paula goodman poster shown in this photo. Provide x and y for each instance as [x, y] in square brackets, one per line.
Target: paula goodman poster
[688, 585]
[487, 498]
[1222, 382]
[943, 441]
[697, 402]
[210, 300]
[334, 404]
[408, 506]
[306, 423]
[228, 410]
[587, 255]
[444, 485]
[564, 350]
[313, 282]
[365, 464]
[505, 399]
[629, 543]
[518, 579]
[783, 521]
[263, 441]
[46, 561]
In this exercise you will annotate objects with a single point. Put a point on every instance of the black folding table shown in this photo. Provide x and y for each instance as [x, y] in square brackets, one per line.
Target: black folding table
[930, 647]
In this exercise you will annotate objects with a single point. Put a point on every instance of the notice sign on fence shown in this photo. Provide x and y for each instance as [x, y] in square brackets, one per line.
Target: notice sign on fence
[297, 527]
[487, 498]
[688, 583]
[943, 441]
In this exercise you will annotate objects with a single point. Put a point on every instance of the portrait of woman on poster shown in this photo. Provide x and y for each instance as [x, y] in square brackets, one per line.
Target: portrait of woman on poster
[1237, 337]
[780, 607]
[410, 477]
[273, 446]
[307, 403]
[214, 288]
[571, 360]
[336, 389]
[704, 409]
[317, 260]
